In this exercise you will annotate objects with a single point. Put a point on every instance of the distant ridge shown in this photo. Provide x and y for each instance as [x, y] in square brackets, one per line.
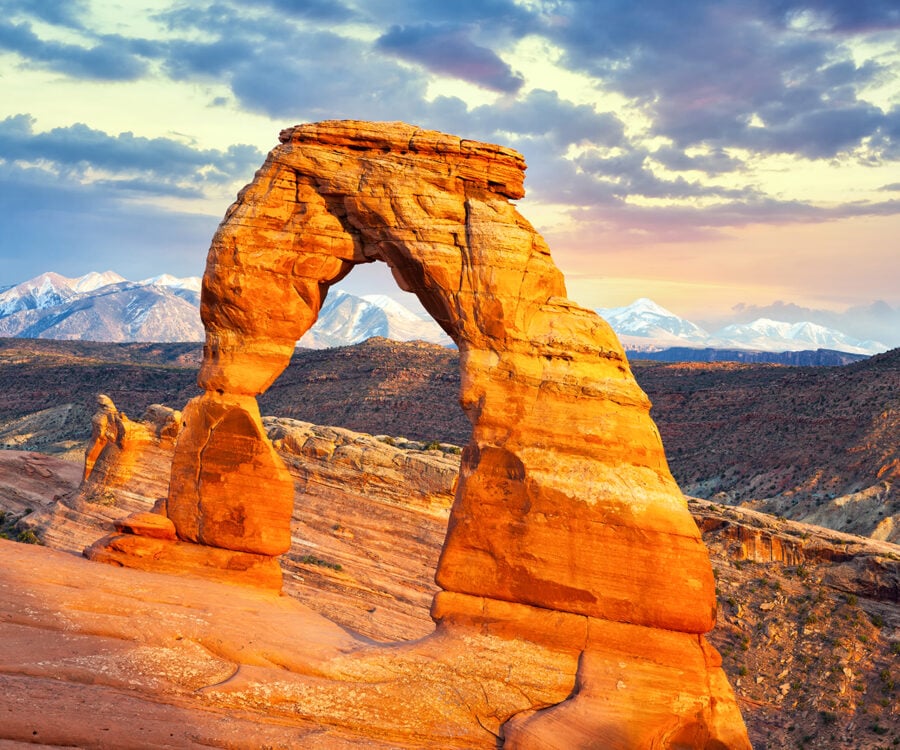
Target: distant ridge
[164, 308]
[108, 308]
[806, 358]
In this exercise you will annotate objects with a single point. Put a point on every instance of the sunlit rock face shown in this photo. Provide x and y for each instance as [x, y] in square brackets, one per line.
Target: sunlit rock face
[565, 503]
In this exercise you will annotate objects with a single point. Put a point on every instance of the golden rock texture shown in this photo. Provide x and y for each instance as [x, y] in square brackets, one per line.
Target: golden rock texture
[565, 503]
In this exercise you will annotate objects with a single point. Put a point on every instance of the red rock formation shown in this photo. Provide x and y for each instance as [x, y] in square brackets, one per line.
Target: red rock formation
[565, 502]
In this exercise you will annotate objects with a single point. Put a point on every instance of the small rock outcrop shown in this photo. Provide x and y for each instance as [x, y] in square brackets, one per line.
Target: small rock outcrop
[567, 529]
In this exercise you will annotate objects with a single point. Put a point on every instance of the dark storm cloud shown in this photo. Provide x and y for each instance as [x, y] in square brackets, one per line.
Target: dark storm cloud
[111, 58]
[77, 148]
[448, 50]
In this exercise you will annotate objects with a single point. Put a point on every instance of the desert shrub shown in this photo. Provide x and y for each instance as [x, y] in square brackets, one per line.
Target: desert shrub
[28, 537]
[105, 498]
[313, 560]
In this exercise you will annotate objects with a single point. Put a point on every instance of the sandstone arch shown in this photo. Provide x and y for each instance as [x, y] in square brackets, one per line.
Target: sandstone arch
[565, 508]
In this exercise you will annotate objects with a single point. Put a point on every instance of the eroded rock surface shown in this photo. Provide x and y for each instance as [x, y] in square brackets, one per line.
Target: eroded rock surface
[806, 617]
[565, 502]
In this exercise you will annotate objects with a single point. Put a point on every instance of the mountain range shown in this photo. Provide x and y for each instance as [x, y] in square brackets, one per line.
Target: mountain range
[107, 307]
[644, 326]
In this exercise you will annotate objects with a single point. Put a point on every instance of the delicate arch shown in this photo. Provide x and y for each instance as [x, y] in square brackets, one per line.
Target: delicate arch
[565, 500]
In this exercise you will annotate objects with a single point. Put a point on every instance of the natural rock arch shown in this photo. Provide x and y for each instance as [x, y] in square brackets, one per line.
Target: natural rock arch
[565, 503]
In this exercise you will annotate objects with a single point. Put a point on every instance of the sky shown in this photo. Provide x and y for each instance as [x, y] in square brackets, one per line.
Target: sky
[725, 158]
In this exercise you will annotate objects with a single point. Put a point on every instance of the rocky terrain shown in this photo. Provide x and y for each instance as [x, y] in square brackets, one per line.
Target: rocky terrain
[816, 444]
[574, 587]
[808, 623]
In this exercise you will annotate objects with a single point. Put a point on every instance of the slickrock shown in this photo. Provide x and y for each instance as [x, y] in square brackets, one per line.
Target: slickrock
[565, 501]
[800, 606]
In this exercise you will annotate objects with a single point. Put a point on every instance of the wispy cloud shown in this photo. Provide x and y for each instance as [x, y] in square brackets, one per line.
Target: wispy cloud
[449, 50]
[110, 58]
[163, 162]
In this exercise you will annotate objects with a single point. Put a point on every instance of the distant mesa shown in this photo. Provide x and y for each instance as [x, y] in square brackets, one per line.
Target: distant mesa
[568, 534]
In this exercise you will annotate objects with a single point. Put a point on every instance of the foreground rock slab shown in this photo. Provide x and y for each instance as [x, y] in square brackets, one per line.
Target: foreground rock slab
[119, 658]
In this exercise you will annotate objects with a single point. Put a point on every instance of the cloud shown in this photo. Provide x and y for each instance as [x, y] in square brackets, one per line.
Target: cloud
[717, 161]
[846, 16]
[67, 13]
[707, 72]
[163, 166]
[448, 50]
[319, 10]
[286, 69]
[72, 228]
[499, 18]
[111, 58]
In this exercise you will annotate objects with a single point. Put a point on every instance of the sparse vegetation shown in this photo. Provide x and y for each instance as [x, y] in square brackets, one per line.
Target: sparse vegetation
[320, 562]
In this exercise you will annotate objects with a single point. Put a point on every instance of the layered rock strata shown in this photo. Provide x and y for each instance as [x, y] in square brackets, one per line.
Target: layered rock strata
[565, 503]
[806, 617]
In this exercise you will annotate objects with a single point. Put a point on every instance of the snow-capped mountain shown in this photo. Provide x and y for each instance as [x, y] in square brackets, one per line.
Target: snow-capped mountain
[54, 307]
[46, 290]
[347, 319]
[191, 283]
[644, 326]
[107, 307]
[644, 323]
[94, 280]
[774, 335]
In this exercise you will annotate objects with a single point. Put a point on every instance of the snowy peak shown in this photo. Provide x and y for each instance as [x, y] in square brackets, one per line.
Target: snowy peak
[38, 293]
[776, 335]
[643, 318]
[191, 283]
[99, 307]
[107, 307]
[391, 307]
[347, 319]
[646, 326]
[93, 280]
